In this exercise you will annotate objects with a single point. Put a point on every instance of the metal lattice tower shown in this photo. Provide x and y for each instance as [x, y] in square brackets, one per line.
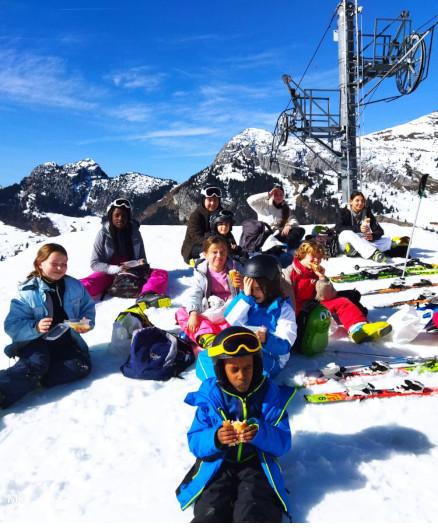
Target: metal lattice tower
[324, 116]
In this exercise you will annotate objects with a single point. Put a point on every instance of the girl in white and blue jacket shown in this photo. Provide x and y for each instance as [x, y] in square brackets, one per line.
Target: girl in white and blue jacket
[50, 353]
[262, 307]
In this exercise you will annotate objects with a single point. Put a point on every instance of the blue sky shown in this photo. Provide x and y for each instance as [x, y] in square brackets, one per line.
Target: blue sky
[159, 87]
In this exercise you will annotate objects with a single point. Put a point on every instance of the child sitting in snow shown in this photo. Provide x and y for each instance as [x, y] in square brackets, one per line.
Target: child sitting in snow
[118, 242]
[310, 282]
[262, 304]
[48, 353]
[203, 315]
[237, 477]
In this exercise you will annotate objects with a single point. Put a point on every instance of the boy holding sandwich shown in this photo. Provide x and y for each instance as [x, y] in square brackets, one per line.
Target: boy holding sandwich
[241, 426]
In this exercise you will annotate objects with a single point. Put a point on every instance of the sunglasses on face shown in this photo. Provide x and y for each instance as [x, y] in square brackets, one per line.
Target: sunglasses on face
[209, 192]
[120, 202]
[232, 344]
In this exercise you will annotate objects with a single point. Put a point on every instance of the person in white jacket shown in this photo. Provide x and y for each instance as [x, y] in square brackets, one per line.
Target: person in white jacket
[272, 209]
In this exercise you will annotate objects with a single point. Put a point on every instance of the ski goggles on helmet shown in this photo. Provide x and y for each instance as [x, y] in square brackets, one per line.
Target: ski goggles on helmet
[209, 192]
[120, 202]
[235, 344]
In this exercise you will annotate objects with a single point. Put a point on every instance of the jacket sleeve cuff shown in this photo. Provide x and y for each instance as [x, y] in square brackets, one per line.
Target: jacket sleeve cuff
[249, 299]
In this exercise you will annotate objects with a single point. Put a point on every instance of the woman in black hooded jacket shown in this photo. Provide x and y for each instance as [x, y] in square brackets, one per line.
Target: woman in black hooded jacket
[198, 226]
[359, 233]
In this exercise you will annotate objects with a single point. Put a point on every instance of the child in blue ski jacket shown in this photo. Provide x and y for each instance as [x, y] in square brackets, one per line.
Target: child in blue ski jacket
[240, 428]
[49, 352]
[262, 305]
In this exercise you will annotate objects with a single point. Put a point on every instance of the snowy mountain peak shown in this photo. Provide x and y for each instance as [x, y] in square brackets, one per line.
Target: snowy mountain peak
[87, 164]
[74, 189]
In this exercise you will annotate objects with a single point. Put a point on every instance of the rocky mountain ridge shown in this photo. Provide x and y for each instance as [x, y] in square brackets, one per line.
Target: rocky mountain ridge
[73, 189]
[391, 160]
[244, 166]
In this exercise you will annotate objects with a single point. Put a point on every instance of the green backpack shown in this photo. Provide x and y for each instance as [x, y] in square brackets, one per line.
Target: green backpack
[313, 324]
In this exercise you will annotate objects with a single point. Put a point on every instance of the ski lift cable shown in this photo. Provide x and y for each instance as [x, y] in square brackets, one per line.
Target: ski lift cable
[317, 47]
[388, 99]
[427, 22]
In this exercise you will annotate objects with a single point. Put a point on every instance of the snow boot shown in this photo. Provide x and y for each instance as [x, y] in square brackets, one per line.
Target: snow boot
[378, 256]
[350, 251]
[362, 332]
[399, 241]
[205, 340]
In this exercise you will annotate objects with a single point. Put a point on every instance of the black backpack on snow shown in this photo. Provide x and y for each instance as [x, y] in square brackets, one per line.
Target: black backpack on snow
[254, 233]
[157, 355]
[129, 283]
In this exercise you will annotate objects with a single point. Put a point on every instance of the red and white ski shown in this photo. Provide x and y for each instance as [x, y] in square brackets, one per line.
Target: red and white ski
[368, 391]
[332, 371]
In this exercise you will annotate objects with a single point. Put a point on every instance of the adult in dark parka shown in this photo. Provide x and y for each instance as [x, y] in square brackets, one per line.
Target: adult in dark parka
[198, 226]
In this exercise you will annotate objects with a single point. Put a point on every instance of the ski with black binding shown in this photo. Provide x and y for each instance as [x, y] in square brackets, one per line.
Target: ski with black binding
[424, 298]
[386, 272]
[369, 391]
[335, 372]
[396, 287]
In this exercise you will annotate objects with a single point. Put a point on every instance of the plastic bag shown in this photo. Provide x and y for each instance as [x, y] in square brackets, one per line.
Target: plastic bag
[406, 324]
[215, 310]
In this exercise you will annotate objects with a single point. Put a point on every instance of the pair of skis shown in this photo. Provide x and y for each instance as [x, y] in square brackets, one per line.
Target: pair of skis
[406, 388]
[366, 390]
[390, 271]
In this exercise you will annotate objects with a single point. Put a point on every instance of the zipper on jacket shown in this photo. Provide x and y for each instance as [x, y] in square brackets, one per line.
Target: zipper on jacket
[244, 413]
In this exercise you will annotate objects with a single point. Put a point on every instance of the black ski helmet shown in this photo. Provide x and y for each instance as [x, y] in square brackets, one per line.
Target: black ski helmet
[262, 267]
[220, 217]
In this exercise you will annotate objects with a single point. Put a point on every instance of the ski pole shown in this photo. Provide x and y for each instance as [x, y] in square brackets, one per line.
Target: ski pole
[421, 193]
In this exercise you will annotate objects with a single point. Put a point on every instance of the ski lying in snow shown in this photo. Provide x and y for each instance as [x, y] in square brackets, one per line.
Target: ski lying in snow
[368, 391]
[339, 373]
[386, 272]
[431, 298]
[395, 287]
[411, 262]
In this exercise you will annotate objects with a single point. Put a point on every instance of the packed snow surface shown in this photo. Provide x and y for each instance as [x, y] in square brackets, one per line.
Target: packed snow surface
[109, 448]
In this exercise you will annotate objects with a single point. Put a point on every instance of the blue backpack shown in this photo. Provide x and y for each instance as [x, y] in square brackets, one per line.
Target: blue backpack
[157, 355]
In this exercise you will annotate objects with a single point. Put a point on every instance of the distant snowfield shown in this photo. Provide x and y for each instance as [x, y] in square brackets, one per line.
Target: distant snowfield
[113, 449]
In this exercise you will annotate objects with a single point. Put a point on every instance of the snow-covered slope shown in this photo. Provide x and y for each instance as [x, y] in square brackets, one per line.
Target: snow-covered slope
[399, 149]
[110, 448]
